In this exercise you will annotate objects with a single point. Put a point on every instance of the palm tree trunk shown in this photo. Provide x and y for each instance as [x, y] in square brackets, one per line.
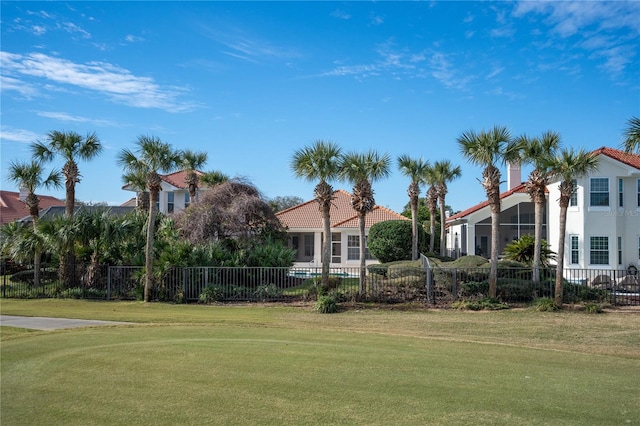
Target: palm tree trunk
[326, 247]
[560, 264]
[363, 261]
[414, 228]
[148, 255]
[537, 245]
[495, 241]
[443, 240]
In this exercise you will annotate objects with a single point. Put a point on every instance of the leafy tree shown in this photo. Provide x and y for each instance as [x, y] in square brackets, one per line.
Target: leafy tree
[150, 157]
[280, 203]
[362, 170]
[539, 152]
[320, 162]
[29, 177]
[488, 149]
[445, 172]
[191, 161]
[523, 250]
[70, 146]
[415, 170]
[391, 240]
[567, 166]
[631, 141]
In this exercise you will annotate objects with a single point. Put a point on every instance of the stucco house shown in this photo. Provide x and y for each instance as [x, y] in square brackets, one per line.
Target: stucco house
[12, 206]
[174, 196]
[304, 227]
[469, 232]
[603, 218]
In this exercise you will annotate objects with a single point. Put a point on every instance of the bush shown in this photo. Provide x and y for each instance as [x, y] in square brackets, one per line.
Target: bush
[326, 304]
[391, 240]
[211, 293]
[545, 304]
[268, 291]
[593, 308]
[487, 303]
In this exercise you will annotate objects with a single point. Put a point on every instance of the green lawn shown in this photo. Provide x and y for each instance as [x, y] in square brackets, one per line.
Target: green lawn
[258, 364]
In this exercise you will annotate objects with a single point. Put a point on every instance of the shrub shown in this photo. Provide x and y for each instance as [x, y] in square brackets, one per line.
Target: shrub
[268, 291]
[211, 293]
[326, 304]
[545, 304]
[522, 250]
[593, 308]
[487, 303]
[390, 240]
[333, 283]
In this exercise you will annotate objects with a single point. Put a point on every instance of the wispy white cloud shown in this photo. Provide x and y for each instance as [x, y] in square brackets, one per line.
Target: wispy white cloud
[119, 84]
[376, 19]
[13, 84]
[8, 133]
[443, 70]
[72, 28]
[63, 116]
[130, 38]
[340, 14]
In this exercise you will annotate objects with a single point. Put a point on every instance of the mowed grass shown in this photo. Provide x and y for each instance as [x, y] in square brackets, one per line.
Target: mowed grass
[258, 364]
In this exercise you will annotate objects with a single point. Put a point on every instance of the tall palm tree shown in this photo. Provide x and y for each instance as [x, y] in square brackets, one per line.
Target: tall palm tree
[70, 146]
[567, 166]
[191, 162]
[445, 172]
[29, 177]
[539, 152]
[151, 156]
[362, 170]
[631, 142]
[489, 149]
[138, 181]
[415, 170]
[213, 178]
[320, 161]
[430, 179]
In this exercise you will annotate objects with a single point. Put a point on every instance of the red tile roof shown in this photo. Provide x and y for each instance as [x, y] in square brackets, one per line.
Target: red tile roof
[518, 189]
[11, 208]
[308, 214]
[176, 179]
[632, 160]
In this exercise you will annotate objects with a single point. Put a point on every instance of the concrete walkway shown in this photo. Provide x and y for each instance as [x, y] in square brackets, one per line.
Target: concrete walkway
[44, 323]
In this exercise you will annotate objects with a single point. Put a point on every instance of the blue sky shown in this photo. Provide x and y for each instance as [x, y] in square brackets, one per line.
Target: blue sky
[251, 82]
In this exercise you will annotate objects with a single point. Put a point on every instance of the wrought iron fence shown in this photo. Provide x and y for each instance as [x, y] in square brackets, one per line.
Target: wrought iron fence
[431, 284]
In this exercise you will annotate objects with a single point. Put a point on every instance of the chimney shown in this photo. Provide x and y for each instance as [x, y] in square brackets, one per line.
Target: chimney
[23, 194]
[514, 177]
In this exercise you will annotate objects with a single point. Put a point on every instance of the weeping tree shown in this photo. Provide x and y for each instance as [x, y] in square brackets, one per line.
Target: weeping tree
[150, 157]
[362, 170]
[320, 162]
[29, 176]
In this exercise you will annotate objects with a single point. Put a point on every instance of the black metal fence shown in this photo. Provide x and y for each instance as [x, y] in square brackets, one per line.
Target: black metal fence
[384, 284]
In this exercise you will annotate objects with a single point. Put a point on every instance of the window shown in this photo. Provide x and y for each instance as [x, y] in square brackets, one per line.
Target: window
[308, 245]
[575, 253]
[353, 248]
[187, 200]
[619, 250]
[599, 251]
[599, 196]
[620, 193]
[336, 247]
[169, 202]
[573, 200]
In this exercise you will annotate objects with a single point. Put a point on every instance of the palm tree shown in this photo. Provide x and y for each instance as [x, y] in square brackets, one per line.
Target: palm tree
[632, 135]
[320, 161]
[138, 181]
[191, 162]
[414, 169]
[445, 172]
[151, 156]
[539, 152]
[213, 178]
[432, 202]
[29, 177]
[362, 170]
[70, 146]
[488, 149]
[567, 166]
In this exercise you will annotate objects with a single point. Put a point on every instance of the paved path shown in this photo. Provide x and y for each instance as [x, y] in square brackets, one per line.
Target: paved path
[44, 323]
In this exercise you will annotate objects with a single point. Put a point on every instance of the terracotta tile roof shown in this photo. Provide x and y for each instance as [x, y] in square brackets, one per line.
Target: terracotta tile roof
[632, 160]
[518, 189]
[308, 214]
[11, 208]
[176, 179]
